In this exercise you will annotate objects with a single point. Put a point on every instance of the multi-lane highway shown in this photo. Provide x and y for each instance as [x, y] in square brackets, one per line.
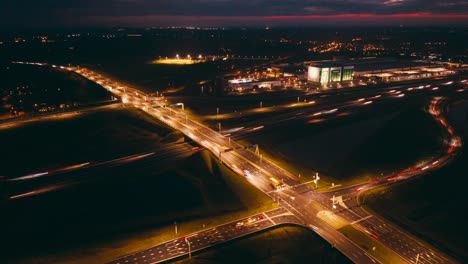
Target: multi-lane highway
[47, 181]
[318, 211]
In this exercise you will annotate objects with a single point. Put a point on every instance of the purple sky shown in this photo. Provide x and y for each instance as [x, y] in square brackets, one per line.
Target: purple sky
[58, 13]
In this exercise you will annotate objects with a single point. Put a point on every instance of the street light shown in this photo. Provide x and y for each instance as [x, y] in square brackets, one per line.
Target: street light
[189, 249]
[316, 179]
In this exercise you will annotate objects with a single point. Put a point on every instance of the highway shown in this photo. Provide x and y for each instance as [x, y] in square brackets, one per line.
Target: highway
[59, 178]
[10, 122]
[315, 210]
[350, 208]
[257, 120]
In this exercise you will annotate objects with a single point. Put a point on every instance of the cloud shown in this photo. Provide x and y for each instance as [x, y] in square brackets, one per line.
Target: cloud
[64, 11]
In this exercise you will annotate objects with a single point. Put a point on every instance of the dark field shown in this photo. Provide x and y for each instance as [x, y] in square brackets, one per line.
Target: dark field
[382, 139]
[98, 136]
[434, 205]
[28, 88]
[279, 245]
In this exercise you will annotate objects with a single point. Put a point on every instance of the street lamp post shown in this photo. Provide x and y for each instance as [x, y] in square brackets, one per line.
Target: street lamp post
[316, 179]
[217, 113]
[189, 249]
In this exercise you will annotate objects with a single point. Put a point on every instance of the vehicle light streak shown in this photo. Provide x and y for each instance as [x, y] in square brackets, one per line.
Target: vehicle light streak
[32, 176]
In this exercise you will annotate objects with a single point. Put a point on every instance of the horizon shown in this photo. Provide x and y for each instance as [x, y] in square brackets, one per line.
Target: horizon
[226, 13]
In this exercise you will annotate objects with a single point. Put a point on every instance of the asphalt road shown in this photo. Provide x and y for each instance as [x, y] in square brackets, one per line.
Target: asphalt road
[209, 237]
[41, 182]
[298, 200]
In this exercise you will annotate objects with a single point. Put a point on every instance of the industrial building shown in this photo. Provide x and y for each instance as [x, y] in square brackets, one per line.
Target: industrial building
[245, 84]
[326, 73]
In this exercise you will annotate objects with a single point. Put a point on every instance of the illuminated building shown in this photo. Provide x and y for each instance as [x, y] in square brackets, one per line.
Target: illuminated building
[326, 73]
[330, 72]
[244, 84]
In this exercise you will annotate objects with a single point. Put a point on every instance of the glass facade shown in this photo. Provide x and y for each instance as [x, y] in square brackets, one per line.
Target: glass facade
[347, 74]
[330, 74]
[324, 76]
[335, 76]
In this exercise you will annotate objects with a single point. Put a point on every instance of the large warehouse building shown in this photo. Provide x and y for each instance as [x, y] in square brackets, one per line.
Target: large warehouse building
[326, 73]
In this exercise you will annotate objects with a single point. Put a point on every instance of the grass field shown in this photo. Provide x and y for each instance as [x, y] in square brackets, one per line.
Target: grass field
[279, 245]
[432, 206]
[360, 146]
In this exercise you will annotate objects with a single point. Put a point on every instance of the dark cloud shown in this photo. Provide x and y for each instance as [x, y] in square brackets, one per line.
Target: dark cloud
[75, 11]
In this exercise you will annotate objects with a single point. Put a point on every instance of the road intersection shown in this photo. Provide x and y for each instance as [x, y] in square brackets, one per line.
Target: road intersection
[323, 212]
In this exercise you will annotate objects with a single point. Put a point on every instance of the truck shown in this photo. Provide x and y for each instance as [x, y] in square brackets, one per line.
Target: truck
[275, 183]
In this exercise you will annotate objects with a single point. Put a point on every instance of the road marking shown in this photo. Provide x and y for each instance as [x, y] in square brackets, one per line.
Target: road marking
[339, 199]
[283, 214]
[269, 218]
[360, 220]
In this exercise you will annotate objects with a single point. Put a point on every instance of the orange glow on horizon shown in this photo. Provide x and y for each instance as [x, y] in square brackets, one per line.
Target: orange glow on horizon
[151, 20]
[377, 16]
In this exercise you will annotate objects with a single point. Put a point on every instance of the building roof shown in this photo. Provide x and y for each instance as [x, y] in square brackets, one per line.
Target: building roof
[370, 64]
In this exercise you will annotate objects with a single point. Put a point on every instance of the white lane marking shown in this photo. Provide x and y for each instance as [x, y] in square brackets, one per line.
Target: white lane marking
[360, 220]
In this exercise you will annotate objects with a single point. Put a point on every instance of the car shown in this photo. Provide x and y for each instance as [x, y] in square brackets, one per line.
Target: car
[239, 224]
[255, 218]
[313, 227]
[197, 148]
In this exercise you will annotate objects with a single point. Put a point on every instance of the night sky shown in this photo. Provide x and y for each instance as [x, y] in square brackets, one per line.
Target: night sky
[148, 13]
